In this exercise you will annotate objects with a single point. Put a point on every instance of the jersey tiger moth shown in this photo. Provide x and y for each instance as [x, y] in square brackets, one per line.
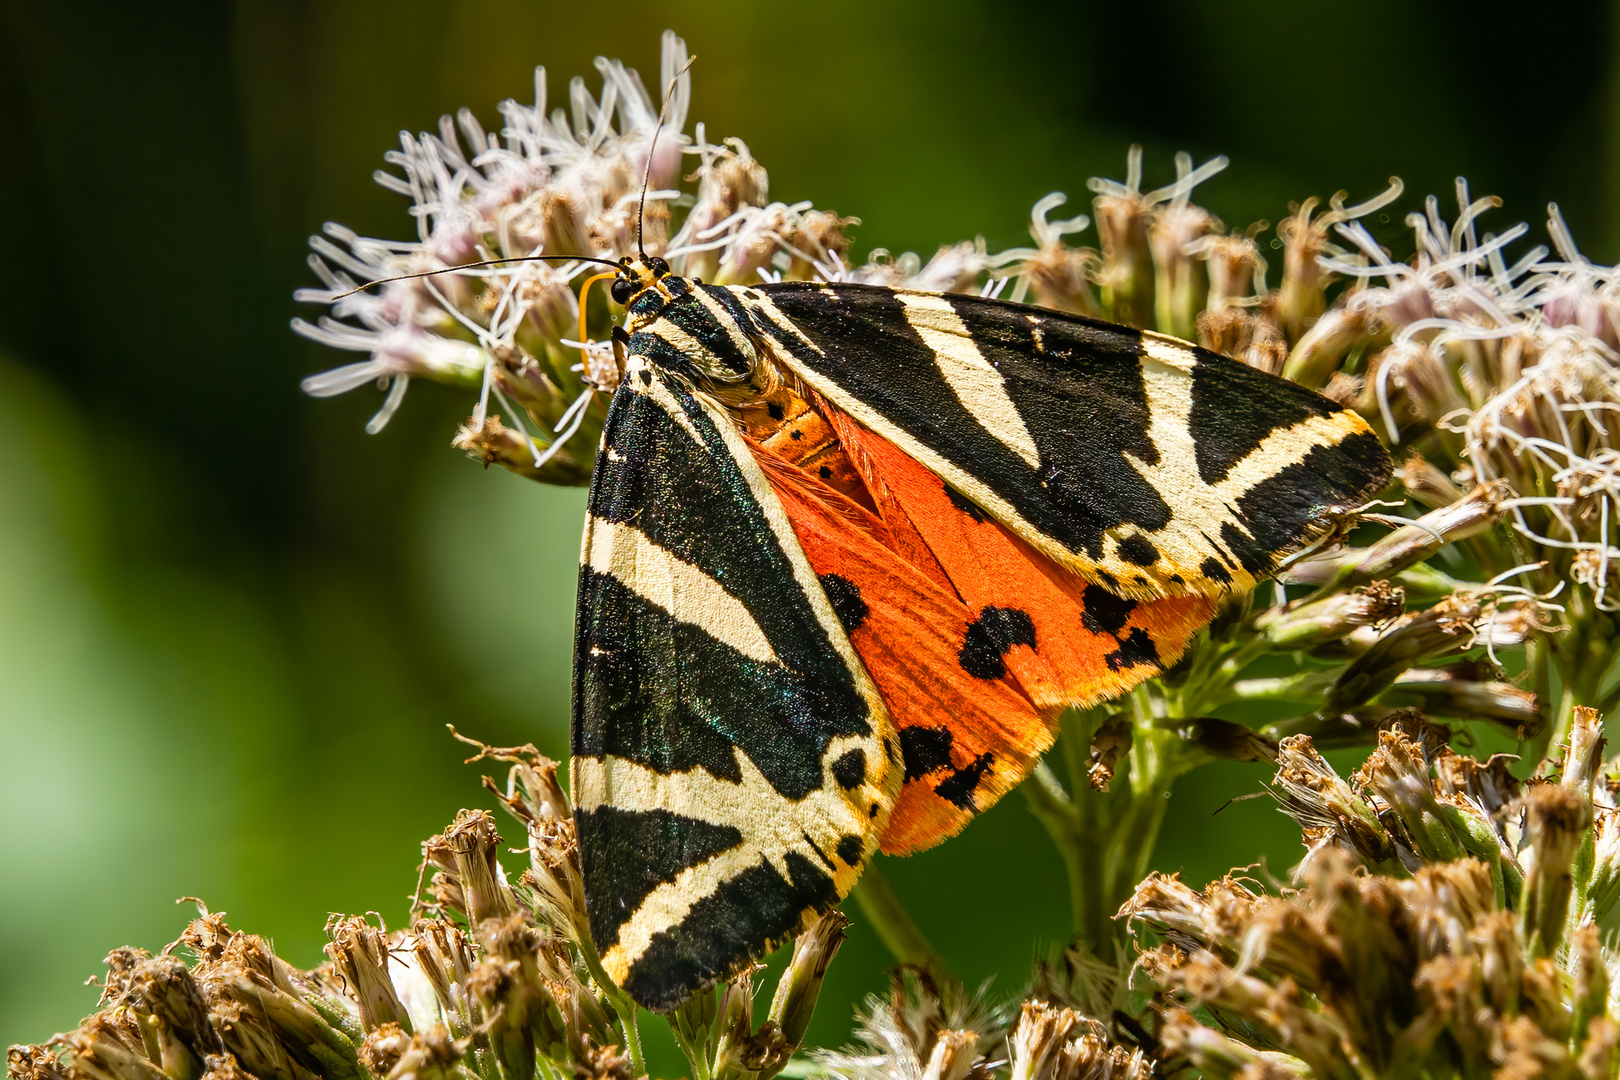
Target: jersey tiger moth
[849, 552]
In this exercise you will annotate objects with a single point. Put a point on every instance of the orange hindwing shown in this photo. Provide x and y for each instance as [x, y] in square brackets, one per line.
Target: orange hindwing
[975, 640]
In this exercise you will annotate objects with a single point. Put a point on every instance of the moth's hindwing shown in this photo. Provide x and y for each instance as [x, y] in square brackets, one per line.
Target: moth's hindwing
[1144, 463]
[975, 640]
[734, 766]
[965, 738]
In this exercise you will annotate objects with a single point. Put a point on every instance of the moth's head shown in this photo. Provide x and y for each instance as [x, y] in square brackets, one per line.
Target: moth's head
[636, 274]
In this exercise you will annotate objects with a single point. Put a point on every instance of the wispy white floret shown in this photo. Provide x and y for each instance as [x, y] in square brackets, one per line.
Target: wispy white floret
[565, 182]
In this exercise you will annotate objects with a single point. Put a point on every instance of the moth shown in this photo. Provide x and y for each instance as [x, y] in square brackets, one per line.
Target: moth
[850, 550]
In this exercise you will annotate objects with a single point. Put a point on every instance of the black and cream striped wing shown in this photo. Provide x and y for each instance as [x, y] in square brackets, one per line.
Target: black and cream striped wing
[732, 760]
[1149, 464]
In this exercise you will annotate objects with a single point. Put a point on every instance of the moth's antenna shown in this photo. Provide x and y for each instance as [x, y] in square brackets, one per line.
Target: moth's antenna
[474, 266]
[646, 176]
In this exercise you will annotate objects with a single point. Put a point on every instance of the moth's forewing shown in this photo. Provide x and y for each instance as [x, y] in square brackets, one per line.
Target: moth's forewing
[1148, 465]
[732, 759]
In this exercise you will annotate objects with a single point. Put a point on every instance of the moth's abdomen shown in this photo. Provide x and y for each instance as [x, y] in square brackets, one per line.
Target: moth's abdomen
[789, 426]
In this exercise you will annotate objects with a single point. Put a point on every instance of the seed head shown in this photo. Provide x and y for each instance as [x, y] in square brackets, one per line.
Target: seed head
[359, 953]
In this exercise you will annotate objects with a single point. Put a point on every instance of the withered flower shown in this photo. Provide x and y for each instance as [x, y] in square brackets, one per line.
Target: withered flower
[1474, 950]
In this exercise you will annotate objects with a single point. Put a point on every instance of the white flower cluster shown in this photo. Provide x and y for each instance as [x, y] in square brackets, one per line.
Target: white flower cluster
[531, 207]
[1506, 371]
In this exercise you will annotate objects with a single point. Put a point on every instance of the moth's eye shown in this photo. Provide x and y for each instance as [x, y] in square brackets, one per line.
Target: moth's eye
[621, 290]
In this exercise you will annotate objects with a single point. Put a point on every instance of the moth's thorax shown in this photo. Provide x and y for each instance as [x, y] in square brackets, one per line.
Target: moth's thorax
[703, 334]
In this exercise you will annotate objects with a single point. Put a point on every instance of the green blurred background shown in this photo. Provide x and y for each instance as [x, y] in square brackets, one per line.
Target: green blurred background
[233, 626]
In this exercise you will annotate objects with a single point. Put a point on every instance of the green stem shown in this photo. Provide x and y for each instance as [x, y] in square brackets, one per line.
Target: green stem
[1153, 769]
[1053, 809]
[1106, 838]
[1136, 807]
[1093, 888]
[695, 1055]
[1091, 818]
[622, 1005]
[894, 926]
[632, 1038]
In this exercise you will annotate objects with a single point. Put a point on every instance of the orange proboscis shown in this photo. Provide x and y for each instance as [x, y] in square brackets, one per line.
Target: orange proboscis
[584, 295]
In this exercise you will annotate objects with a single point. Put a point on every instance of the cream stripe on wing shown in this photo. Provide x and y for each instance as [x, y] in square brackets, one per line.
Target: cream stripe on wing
[978, 385]
[642, 379]
[1285, 447]
[1170, 407]
[726, 319]
[1174, 475]
[675, 337]
[1170, 351]
[675, 586]
[771, 828]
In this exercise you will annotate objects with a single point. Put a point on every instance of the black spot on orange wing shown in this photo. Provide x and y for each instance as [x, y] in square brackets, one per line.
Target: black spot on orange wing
[850, 769]
[775, 409]
[925, 750]
[849, 849]
[1106, 612]
[845, 597]
[1214, 571]
[957, 789]
[1134, 650]
[991, 636]
[913, 639]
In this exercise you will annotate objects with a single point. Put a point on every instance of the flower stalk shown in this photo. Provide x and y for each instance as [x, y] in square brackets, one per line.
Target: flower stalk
[1435, 927]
